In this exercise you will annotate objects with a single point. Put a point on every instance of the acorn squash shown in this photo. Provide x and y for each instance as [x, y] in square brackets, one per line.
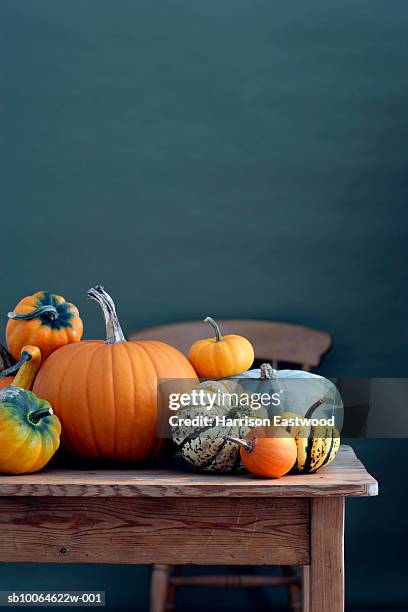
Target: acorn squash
[29, 431]
[203, 442]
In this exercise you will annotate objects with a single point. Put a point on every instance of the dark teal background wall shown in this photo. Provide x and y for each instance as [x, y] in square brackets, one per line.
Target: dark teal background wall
[226, 157]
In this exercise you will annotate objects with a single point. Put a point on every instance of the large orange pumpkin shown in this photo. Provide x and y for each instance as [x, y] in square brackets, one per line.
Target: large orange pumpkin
[105, 393]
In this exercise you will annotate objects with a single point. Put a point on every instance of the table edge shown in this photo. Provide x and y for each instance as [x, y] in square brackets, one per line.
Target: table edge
[366, 486]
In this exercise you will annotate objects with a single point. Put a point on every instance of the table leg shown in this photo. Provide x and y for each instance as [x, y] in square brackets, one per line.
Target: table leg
[325, 576]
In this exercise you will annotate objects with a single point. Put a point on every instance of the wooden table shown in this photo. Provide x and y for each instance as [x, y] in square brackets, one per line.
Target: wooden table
[178, 517]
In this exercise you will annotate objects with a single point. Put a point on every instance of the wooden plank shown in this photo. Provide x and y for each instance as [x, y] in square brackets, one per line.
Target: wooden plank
[326, 572]
[345, 476]
[172, 531]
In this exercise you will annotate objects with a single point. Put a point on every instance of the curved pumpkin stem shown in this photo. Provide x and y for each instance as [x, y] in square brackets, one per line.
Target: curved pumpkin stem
[217, 332]
[313, 407]
[26, 368]
[247, 444]
[114, 331]
[47, 309]
[267, 372]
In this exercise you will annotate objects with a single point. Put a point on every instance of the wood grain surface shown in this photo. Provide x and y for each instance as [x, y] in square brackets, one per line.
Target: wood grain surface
[166, 531]
[345, 476]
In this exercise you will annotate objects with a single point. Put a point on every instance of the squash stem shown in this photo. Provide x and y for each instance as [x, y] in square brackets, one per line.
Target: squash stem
[16, 367]
[247, 444]
[49, 310]
[6, 359]
[36, 416]
[114, 331]
[217, 332]
[26, 368]
[267, 372]
[313, 407]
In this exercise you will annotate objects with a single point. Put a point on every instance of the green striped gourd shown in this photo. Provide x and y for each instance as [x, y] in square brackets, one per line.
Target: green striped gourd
[205, 446]
[317, 445]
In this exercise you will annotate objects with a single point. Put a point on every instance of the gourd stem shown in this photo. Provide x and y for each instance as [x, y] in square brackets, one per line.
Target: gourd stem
[49, 310]
[6, 359]
[114, 331]
[37, 415]
[16, 367]
[217, 332]
[267, 372]
[313, 407]
[247, 444]
[26, 368]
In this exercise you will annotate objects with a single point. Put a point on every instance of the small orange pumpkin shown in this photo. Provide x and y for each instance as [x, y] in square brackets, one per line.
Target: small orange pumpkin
[105, 393]
[269, 452]
[45, 320]
[221, 356]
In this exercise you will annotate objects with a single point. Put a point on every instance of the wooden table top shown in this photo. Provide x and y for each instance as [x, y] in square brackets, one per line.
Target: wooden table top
[345, 476]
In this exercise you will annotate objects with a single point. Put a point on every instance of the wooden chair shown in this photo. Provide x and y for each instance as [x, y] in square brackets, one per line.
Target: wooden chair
[273, 342]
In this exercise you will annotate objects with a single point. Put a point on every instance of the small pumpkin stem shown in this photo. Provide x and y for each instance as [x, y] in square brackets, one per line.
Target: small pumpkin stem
[217, 332]
[36, 416]
[26, 368]
[247, 444]
[114, 331]
[49, 310]
[267, 372]
[313, 407]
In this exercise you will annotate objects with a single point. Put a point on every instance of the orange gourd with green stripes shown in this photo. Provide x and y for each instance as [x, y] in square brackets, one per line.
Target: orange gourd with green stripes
[45, 320]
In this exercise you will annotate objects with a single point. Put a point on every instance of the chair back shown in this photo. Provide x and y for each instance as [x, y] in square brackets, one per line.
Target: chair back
[272, 341]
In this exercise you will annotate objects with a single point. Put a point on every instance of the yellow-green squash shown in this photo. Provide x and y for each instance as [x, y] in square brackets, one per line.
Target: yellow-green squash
[317, 445]
[29, 431]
